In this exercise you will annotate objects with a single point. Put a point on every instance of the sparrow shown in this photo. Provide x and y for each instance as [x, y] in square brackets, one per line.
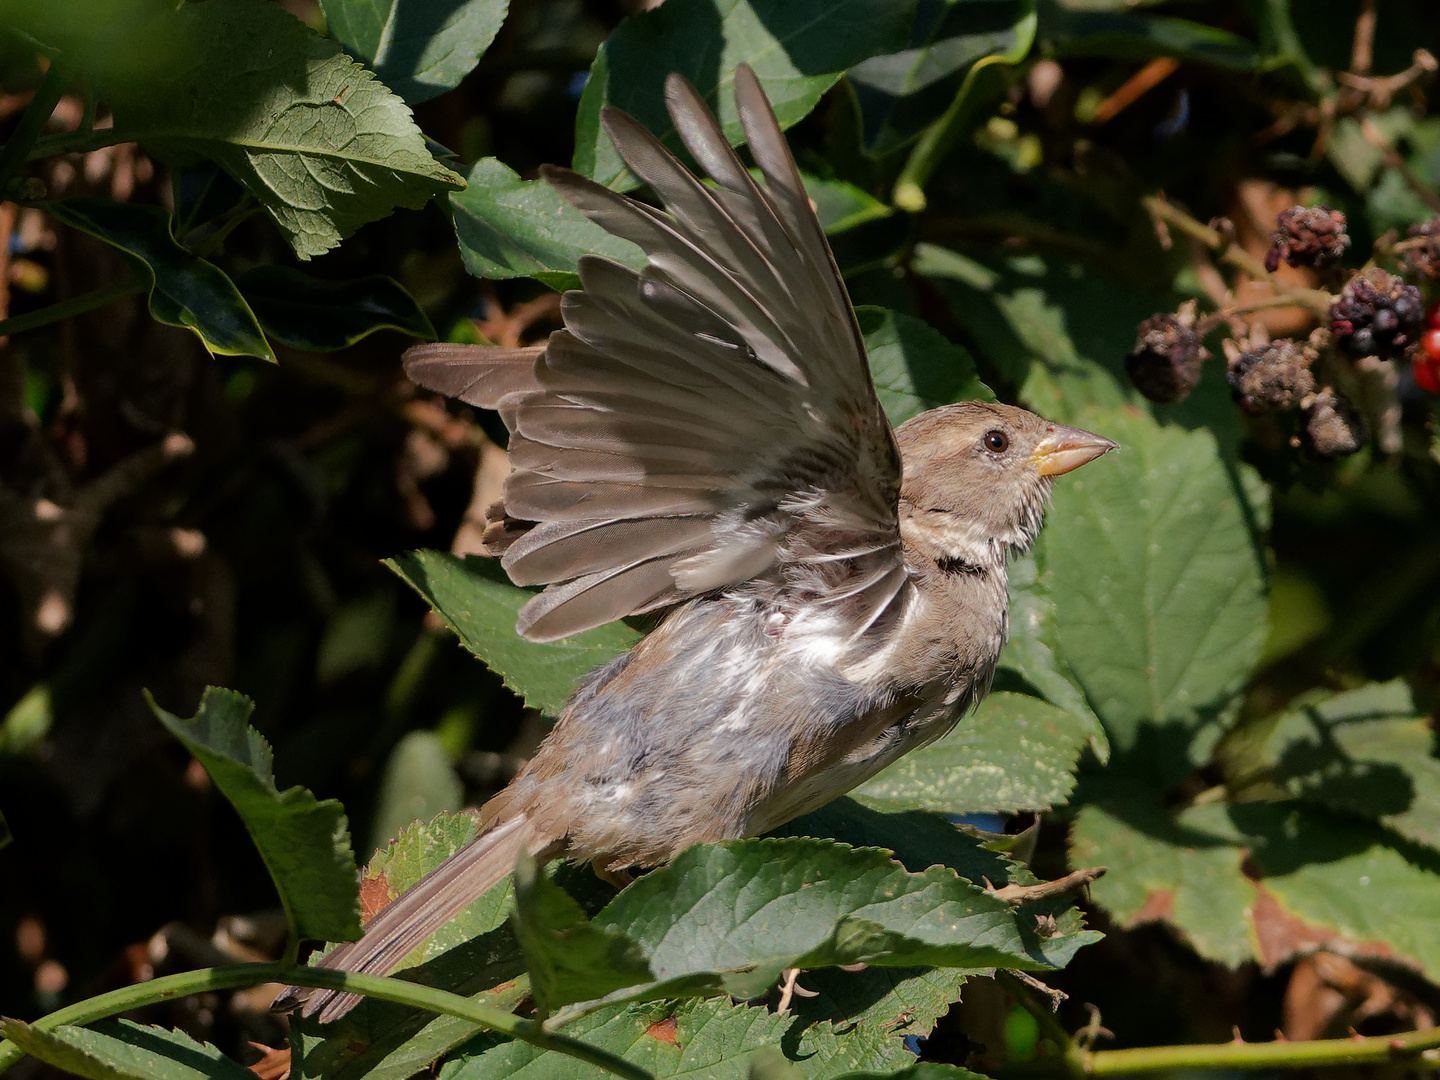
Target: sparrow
[703, 439]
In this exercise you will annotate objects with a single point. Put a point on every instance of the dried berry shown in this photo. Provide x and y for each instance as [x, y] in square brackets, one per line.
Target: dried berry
[1424, 259]
[1377, 314]
[1312, 236]
[1274, 377]
[1165, 363]
[1332, 426]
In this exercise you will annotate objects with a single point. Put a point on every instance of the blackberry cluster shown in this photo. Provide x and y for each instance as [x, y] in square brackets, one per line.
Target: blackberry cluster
[1332, 426]
[1424, 261]
[1312, 236]
[1377, 314]
[1273, 378]
[1165, 363]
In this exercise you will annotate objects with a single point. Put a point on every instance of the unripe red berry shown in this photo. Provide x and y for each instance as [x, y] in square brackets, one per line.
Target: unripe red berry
[1425, 370]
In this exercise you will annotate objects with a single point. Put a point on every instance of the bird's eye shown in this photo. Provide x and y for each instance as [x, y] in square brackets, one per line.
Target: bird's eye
[996, 441]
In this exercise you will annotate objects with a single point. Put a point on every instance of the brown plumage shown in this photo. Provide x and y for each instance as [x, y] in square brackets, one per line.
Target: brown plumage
[703, 437]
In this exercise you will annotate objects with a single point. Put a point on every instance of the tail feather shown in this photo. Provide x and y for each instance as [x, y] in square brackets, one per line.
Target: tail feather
[413, 916]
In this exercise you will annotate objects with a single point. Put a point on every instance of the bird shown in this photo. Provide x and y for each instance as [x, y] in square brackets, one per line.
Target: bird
[703, 440]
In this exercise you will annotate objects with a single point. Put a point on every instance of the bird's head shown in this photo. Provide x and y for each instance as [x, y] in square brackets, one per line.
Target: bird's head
[977, 474]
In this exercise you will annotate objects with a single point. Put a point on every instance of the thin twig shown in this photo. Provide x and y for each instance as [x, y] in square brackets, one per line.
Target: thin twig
[1362, 53]
[1393, 158]
[66, 309]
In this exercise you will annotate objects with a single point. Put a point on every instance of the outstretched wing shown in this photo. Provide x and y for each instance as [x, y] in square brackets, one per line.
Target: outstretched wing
[704, 423]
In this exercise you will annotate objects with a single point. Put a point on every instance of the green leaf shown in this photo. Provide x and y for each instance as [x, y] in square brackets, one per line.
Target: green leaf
[914, 367]
[185, 290]
[1065, 31]
[569, 958]
[311, 135]
[419, 782]
[1158, 584]
[901, 94]
[1367, 752]
[1032, 651]
[477, 601]
[1261, 881]
[124, 1050]
[305, 843]
[309, 313]
[1012, 753]
[797, 48]
[508, 227]
[419, 48]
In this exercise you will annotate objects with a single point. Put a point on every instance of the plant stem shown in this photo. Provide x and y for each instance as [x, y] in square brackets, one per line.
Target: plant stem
[77, 142]
[68, 308]
[1073, 1061]
[32, 124]
[1227, 251]
[386, 989]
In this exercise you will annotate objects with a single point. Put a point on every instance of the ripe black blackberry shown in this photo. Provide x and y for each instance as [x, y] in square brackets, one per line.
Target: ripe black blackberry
[1274, 377]
[1313, 236]
[1165, 363]
[1377, 314]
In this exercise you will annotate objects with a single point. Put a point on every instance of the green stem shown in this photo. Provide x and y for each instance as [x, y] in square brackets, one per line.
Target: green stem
[398, 991]
[68, 308]
[77, 142]
[32, 124]
[1072, 1060]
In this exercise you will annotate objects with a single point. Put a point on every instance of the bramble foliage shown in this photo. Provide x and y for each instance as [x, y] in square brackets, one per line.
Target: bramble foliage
[1223, 647]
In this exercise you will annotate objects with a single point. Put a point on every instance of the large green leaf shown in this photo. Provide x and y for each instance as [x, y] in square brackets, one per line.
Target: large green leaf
[124, 1050]
[1367, 752]
[1158, 584]
[305, 842]
[311, 135]
[901, 94]
[1261, 881]
[185, 290]
[310, 313]
[419, 48]
[508, 227]
[1065, 31]
[476, 600]
[798, 49]
[1012, 753]
[914, 367]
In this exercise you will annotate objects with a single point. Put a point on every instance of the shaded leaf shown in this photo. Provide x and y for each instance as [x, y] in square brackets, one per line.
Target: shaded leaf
[305, 842]
[419, 48]
[1158, 587]
[310, 134]
[508, 227]
[476, 600]
[185, 290]
[124, 1050]
[902, 93]
[914, 367]
[6, 836]
[309, 313]
[1012, 753]
[1065, 31]
[798, 49]
[419, 782]
[568, 957]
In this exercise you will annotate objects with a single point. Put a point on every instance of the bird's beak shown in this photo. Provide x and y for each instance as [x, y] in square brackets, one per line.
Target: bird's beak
[1066, 448]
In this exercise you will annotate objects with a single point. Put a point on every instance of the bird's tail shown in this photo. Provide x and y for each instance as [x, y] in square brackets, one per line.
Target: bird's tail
[415, 914]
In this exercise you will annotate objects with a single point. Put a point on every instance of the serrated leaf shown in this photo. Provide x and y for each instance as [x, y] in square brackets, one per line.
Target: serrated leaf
[477, 601]
[1261, 881]
[124, 1050]
[304, 842]
[309, 313]
[310, 134]
[1158, 586]
[914, 367]
[901, 94]
[185, 290]
[419, 48]
[569, 958]
[1012, 753]
[1065, 31]
[1367, 752]
[797, 48]
[508, 227]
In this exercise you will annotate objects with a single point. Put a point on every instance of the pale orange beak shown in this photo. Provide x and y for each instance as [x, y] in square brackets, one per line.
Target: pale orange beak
[1066, 448]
